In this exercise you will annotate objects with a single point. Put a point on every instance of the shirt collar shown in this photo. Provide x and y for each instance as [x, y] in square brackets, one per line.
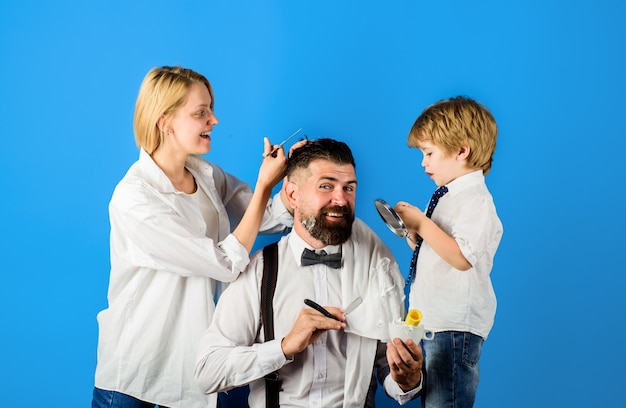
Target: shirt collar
[466, 180]
[156, 177]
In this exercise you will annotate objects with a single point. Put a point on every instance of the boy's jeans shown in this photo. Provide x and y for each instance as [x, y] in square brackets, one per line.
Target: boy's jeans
[452, 374]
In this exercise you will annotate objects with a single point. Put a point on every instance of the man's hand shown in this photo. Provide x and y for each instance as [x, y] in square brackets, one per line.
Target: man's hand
[405, 363]
[307, 328]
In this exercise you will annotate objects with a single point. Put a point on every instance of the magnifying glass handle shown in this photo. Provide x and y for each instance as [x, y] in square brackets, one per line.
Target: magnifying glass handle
[407, 235]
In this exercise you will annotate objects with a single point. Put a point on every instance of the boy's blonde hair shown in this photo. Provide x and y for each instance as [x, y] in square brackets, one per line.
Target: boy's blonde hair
[456, 122]
[162, 91]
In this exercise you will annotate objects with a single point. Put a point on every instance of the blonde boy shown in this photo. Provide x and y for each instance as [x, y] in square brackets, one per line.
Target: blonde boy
[452, 285]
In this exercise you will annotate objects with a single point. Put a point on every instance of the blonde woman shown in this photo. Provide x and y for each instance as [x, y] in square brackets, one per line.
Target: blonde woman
[179, 224]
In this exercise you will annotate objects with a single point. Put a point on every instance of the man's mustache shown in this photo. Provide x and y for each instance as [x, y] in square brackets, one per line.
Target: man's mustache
[337, 209]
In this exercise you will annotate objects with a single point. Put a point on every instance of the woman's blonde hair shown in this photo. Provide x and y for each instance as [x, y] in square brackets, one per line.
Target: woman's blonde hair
[456, 122]
[162, 91]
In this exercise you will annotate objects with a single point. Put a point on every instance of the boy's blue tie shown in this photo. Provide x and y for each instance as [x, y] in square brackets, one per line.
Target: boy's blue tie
[418, 244]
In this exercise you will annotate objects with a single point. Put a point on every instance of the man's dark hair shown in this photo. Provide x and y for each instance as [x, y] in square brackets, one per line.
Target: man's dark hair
[320, 149]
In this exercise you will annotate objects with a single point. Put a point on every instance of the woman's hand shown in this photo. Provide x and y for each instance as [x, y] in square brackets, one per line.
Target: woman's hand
[297, 145]
[273, 166]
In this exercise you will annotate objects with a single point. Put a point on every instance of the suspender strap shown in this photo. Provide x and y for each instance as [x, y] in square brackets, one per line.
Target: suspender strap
[268, 286]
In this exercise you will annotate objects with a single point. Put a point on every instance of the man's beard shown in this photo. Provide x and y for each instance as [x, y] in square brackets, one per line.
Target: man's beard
[327, 232]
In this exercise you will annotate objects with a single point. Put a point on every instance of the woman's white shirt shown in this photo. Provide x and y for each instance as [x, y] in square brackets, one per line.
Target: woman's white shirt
[166, 259]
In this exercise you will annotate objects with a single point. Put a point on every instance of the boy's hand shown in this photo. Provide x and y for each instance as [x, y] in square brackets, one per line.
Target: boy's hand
[410, 215]
[440, 241]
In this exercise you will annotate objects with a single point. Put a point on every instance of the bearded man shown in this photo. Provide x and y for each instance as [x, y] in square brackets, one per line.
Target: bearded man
[327, 358]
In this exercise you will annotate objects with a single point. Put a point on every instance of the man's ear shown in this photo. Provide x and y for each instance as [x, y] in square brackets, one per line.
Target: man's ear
[291, 193]
[463, 153]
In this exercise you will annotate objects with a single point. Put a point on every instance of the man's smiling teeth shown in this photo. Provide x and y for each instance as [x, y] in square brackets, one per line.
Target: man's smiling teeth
[334, 214]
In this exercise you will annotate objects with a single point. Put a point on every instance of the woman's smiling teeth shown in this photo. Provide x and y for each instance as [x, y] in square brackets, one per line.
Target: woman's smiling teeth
[205, 134]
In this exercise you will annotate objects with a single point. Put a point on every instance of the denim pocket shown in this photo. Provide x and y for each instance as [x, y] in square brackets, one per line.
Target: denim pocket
[472, 347]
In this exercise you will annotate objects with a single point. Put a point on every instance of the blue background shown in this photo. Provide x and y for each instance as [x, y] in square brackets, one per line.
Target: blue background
[552, 72]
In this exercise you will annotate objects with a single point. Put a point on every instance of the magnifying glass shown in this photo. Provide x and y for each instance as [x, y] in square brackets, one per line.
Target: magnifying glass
[392, 219]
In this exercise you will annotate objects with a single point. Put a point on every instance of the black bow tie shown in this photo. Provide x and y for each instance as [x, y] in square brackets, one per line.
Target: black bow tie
[311, 258]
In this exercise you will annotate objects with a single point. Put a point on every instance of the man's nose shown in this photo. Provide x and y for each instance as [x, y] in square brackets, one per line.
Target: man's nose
[339, 197]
